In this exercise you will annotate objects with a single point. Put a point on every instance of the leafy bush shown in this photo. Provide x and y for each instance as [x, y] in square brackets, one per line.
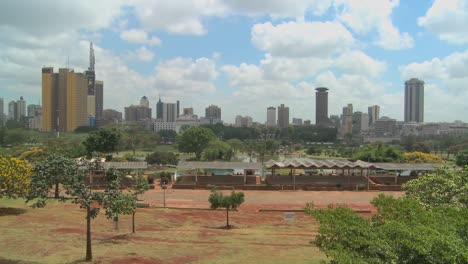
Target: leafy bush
[162, 157]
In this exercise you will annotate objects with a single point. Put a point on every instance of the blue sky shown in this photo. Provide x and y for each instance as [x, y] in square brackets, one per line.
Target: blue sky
[245, 55]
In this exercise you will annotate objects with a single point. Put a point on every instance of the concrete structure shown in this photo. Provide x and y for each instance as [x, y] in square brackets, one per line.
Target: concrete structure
[347, 120]
[169, 112]
[385, 126]
[159, 109]
[243, 121]
[144, 102]
[374, 113]
[99, 100]
[321, 106]
[161, 125]
[110, 116]
[91, 105]
[21, 109]
[178, 108]
[12, 110]
[307, 122]
[187, 111]
[34, 117]
[283, 116]
[213, 112]
[360, 122]
[414, 101]
[297, 122]
[2, 112]
[136, 113]
[64, 100]
[271, 117]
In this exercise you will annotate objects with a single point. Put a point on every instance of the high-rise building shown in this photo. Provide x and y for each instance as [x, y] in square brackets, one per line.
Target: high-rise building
[297, 121]
[188, 111]
[374, 113]
[178, 108]
[64, 100]
[283, 116]
[347, 119]
[136, 113]
[2, 113]
[385, 126]
[414, 100]
[34, 116]
[110, 116]
[243, 121]
[144, 102]
[12, 110]
[159, 109]
[271, 117]
[169, 112]
[213, 112]
[321, 106]
[360, 122]
[99, 97]
[21, 109]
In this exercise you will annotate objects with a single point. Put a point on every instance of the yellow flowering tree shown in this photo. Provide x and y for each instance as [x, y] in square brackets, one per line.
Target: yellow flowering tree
[15, 177]
[421, 157]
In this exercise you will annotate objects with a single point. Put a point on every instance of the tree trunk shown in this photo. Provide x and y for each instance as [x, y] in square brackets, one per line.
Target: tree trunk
[133, 222]
[57, 193]
[89, 253]
[227, 218]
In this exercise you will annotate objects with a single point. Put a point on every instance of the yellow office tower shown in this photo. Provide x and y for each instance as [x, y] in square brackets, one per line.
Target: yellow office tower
[64, 99]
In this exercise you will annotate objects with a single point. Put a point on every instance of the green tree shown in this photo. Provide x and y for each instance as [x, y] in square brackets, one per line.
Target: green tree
[195, 139]
[422, 147]
[53, 170]
[462, 158]
[379, 153]
[230, 202]
[443, 187]
[217, 150]
[69, 146]
[236, 145]
[82, 195]
[140, 186]
[402, 231]
[167, 135]
[102, 141]
[15, 177]
[162, 157]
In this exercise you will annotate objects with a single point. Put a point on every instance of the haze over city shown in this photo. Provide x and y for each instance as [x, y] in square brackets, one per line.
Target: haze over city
[245, 56]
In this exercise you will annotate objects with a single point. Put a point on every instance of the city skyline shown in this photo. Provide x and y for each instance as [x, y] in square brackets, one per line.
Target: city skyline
[246, 57]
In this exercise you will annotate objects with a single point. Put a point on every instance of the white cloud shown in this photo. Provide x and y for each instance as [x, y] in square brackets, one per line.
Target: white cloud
[364, 16]
[448, 19]
[453, 66]
[279, 8]
[357, 62]
[301, 39]
[142, 54]
[138, 36]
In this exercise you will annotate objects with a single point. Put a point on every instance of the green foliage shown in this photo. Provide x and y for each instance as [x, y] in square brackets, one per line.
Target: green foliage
[402, 231]
[422, 147]
[167, 135]
[379, 153]
[236, 144]
[68, 146]
[313, 150]
[462, 158]
[443, 187]
[162, 157]
[217, 150]
[134, 135]
[230, 202]
[194, 140]
[102, 141]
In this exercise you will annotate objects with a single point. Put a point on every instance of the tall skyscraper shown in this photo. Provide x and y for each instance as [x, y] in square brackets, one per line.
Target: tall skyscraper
[2, 112]
[99, 97]
[12, 110]
[360, 122]
[159, 109]
[90, 73]
[283, 116]
[64, 100]
[34, 116]
[178, 108]
[21, 109]
[414, 101]
[213, 112]
[136, 113]
[271, 117]
[347, 119]
[321, 106]
[243, 121]
[374, 113]
[144, 102]
[170, 112]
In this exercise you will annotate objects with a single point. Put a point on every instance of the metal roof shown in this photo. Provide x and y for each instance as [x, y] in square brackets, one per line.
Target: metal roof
[130, 165]
[220, 165]
[306, 163]
[407, 166]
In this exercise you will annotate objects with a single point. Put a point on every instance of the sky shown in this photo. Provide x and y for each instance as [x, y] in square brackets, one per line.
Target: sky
[245, 55]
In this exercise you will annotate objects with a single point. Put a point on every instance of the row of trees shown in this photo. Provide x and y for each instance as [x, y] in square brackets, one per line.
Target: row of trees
[428, 225]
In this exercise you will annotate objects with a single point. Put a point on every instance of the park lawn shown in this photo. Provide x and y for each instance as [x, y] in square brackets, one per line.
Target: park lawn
[56, 234]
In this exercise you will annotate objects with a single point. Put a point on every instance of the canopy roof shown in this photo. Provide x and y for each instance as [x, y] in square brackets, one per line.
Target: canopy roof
[130, 165]
[306, 163]
[220, 165]
[407, 166]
